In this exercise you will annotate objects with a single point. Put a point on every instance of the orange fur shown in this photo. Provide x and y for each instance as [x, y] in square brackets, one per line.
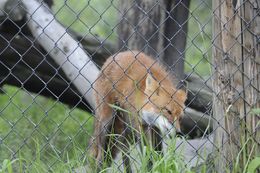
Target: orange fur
[137, 83]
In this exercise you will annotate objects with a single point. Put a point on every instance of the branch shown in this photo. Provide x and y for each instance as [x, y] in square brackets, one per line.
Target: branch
[64, 50]
[195, 151]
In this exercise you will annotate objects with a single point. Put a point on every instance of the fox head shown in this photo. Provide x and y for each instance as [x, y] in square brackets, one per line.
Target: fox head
[164, 104]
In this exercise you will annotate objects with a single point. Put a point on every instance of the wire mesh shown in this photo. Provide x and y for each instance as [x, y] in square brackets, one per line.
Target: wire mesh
[47, 122]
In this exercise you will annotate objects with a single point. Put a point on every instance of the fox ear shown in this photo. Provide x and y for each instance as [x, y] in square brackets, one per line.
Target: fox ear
[150, 84]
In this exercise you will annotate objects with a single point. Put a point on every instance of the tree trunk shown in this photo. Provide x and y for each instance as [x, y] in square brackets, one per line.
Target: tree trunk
[251, 71]
[236, 79]
[157, 28]
[176, 29]
[141, 25]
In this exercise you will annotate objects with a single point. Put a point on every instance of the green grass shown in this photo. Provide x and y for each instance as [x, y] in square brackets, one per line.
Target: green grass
[198, 47]
[23, 164]
[27, 119]
[91, 17]
[170, 162]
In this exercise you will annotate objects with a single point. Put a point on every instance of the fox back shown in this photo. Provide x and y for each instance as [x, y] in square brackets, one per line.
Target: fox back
[139, 83]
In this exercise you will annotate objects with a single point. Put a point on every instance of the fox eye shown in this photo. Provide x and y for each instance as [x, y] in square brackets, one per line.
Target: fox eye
[168, 111]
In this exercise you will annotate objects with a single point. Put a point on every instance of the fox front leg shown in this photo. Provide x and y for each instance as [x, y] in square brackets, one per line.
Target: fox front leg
[103, 123]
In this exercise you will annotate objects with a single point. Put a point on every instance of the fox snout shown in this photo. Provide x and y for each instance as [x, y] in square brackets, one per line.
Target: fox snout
[166, 127]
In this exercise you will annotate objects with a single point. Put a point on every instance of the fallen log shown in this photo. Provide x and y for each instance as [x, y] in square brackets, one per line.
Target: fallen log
[26, 64]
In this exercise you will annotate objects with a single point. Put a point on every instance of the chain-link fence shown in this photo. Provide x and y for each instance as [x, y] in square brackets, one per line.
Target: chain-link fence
[183, 95]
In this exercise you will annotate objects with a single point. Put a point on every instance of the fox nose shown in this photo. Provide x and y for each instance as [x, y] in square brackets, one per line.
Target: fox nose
[179, 133]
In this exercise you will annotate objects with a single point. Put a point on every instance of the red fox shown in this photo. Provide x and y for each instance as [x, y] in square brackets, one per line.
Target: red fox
[140, 85]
